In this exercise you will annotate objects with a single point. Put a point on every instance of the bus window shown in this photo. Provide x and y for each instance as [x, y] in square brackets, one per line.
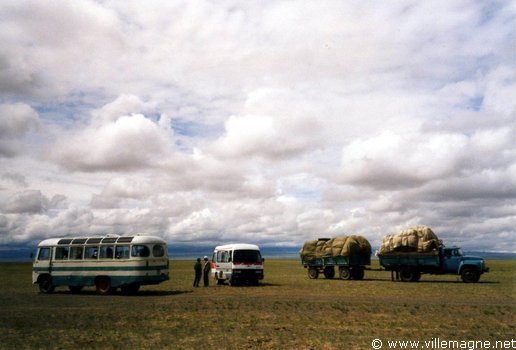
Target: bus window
[106, 252]
[62, 253]
[91, 253]
[140, 251]
[44, 254]
[76, 253]
[122, 252]
[158, 251]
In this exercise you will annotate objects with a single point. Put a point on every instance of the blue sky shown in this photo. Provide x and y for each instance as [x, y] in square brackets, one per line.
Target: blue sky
[269, 122]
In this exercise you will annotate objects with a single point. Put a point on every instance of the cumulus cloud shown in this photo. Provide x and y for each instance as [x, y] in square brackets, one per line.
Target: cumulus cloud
[392, 160]
[129, 142]
[276, 124]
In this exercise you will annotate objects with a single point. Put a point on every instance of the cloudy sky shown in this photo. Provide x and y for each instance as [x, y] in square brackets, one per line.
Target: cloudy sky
[269, 122]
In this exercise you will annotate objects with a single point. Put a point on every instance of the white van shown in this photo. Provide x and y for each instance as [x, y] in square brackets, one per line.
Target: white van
[237, 263]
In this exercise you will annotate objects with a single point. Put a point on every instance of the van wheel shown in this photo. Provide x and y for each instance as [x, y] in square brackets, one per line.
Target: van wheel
[45, 284]
[469, 276]
[103, 285]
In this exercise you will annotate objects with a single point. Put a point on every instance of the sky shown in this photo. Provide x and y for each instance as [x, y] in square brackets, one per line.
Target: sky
[268, 122]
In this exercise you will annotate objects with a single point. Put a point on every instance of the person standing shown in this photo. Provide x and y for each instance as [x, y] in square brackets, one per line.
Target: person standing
[206, 271]
[198, 272]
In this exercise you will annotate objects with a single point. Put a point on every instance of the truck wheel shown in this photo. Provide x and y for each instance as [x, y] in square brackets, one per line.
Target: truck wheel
[45, 284]
[345, 273]
[406, 275]
[313, 273]
[469, 275]
[329, 272]
[357, 274]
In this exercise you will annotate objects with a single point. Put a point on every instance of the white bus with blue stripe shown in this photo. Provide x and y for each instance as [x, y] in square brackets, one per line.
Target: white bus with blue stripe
[108, 263]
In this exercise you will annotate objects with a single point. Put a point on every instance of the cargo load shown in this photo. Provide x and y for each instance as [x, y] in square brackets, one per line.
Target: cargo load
[417, 239]
[337, 246]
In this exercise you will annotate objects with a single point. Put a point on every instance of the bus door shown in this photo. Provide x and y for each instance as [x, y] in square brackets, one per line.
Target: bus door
[43, 262]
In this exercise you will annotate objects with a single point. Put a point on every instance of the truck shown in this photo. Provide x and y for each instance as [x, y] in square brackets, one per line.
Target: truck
[324, 255]
[408, 266]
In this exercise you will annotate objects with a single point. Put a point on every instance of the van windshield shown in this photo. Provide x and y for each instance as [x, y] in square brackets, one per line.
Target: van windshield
[246, 256]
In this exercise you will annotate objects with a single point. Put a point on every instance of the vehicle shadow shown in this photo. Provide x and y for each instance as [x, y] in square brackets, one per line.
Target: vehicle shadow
[141, 293]
[426, 281]
[248, 285]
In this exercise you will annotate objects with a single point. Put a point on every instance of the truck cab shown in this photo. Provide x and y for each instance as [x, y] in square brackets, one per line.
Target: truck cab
[468, 267]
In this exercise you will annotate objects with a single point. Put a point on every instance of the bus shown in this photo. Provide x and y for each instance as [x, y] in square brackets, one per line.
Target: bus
[237, 263]
[108, 263]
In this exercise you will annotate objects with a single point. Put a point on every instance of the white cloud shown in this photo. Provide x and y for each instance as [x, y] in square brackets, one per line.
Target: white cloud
[392, 160]
[130, 142]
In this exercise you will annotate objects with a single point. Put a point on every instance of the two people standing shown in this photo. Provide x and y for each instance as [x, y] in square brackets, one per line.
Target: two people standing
[202, 269]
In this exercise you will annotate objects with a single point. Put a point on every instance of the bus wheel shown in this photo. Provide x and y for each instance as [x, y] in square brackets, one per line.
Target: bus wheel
[103, 285]
[345, 273]
[75, 289]
[313, 273]
[45, 284]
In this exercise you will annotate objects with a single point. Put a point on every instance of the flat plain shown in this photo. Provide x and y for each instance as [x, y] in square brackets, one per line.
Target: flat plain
[287, 311]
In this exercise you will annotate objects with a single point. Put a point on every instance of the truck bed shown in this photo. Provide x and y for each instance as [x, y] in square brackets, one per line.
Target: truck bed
[410, 259]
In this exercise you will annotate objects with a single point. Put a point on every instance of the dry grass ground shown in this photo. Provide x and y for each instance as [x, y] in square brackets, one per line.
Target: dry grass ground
[287, 311]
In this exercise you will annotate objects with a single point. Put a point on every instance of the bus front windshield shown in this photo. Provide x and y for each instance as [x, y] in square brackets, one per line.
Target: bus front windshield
[247, 256]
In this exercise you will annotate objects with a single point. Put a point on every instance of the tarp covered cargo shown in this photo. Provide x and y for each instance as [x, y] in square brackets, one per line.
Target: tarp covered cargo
[418, 239]
[337, 246]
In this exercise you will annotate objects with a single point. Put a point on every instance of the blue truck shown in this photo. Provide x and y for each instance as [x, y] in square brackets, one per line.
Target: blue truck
[408, 266]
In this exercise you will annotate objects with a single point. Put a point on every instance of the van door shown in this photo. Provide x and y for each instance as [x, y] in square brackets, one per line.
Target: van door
[223, 264]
